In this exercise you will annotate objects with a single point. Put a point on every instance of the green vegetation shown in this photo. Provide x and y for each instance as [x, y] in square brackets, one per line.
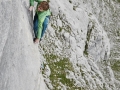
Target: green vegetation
[58, 67]
[88, 39]
[116, 66]
[86, 48]
[118, 0]
[60, 29]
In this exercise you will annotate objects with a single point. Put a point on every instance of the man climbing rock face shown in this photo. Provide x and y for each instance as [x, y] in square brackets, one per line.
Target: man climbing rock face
[41, 18]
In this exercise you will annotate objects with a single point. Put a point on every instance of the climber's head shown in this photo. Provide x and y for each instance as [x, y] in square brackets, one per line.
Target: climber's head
[43, 6]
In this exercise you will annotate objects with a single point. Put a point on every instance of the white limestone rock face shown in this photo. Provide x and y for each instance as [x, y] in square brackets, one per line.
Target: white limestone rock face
[78, 44]
[80, 49]
[19, 56]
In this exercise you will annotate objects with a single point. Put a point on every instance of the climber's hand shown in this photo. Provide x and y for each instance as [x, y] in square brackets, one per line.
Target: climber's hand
[31, 8]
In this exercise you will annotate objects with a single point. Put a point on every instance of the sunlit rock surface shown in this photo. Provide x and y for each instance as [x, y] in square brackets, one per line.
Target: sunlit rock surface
[80, 49]
[81, 45]
[19, 57]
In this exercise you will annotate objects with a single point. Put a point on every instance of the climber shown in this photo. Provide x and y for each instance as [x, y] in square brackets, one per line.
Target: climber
[41, 18]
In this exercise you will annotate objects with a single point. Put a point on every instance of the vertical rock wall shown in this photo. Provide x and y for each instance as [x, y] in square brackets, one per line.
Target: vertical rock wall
[19, 56]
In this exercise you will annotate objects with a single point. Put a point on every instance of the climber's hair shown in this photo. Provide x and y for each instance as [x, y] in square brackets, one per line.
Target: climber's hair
[44, 5]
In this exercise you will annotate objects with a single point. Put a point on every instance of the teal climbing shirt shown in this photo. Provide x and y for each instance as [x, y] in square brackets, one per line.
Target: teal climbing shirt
[41, 17]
